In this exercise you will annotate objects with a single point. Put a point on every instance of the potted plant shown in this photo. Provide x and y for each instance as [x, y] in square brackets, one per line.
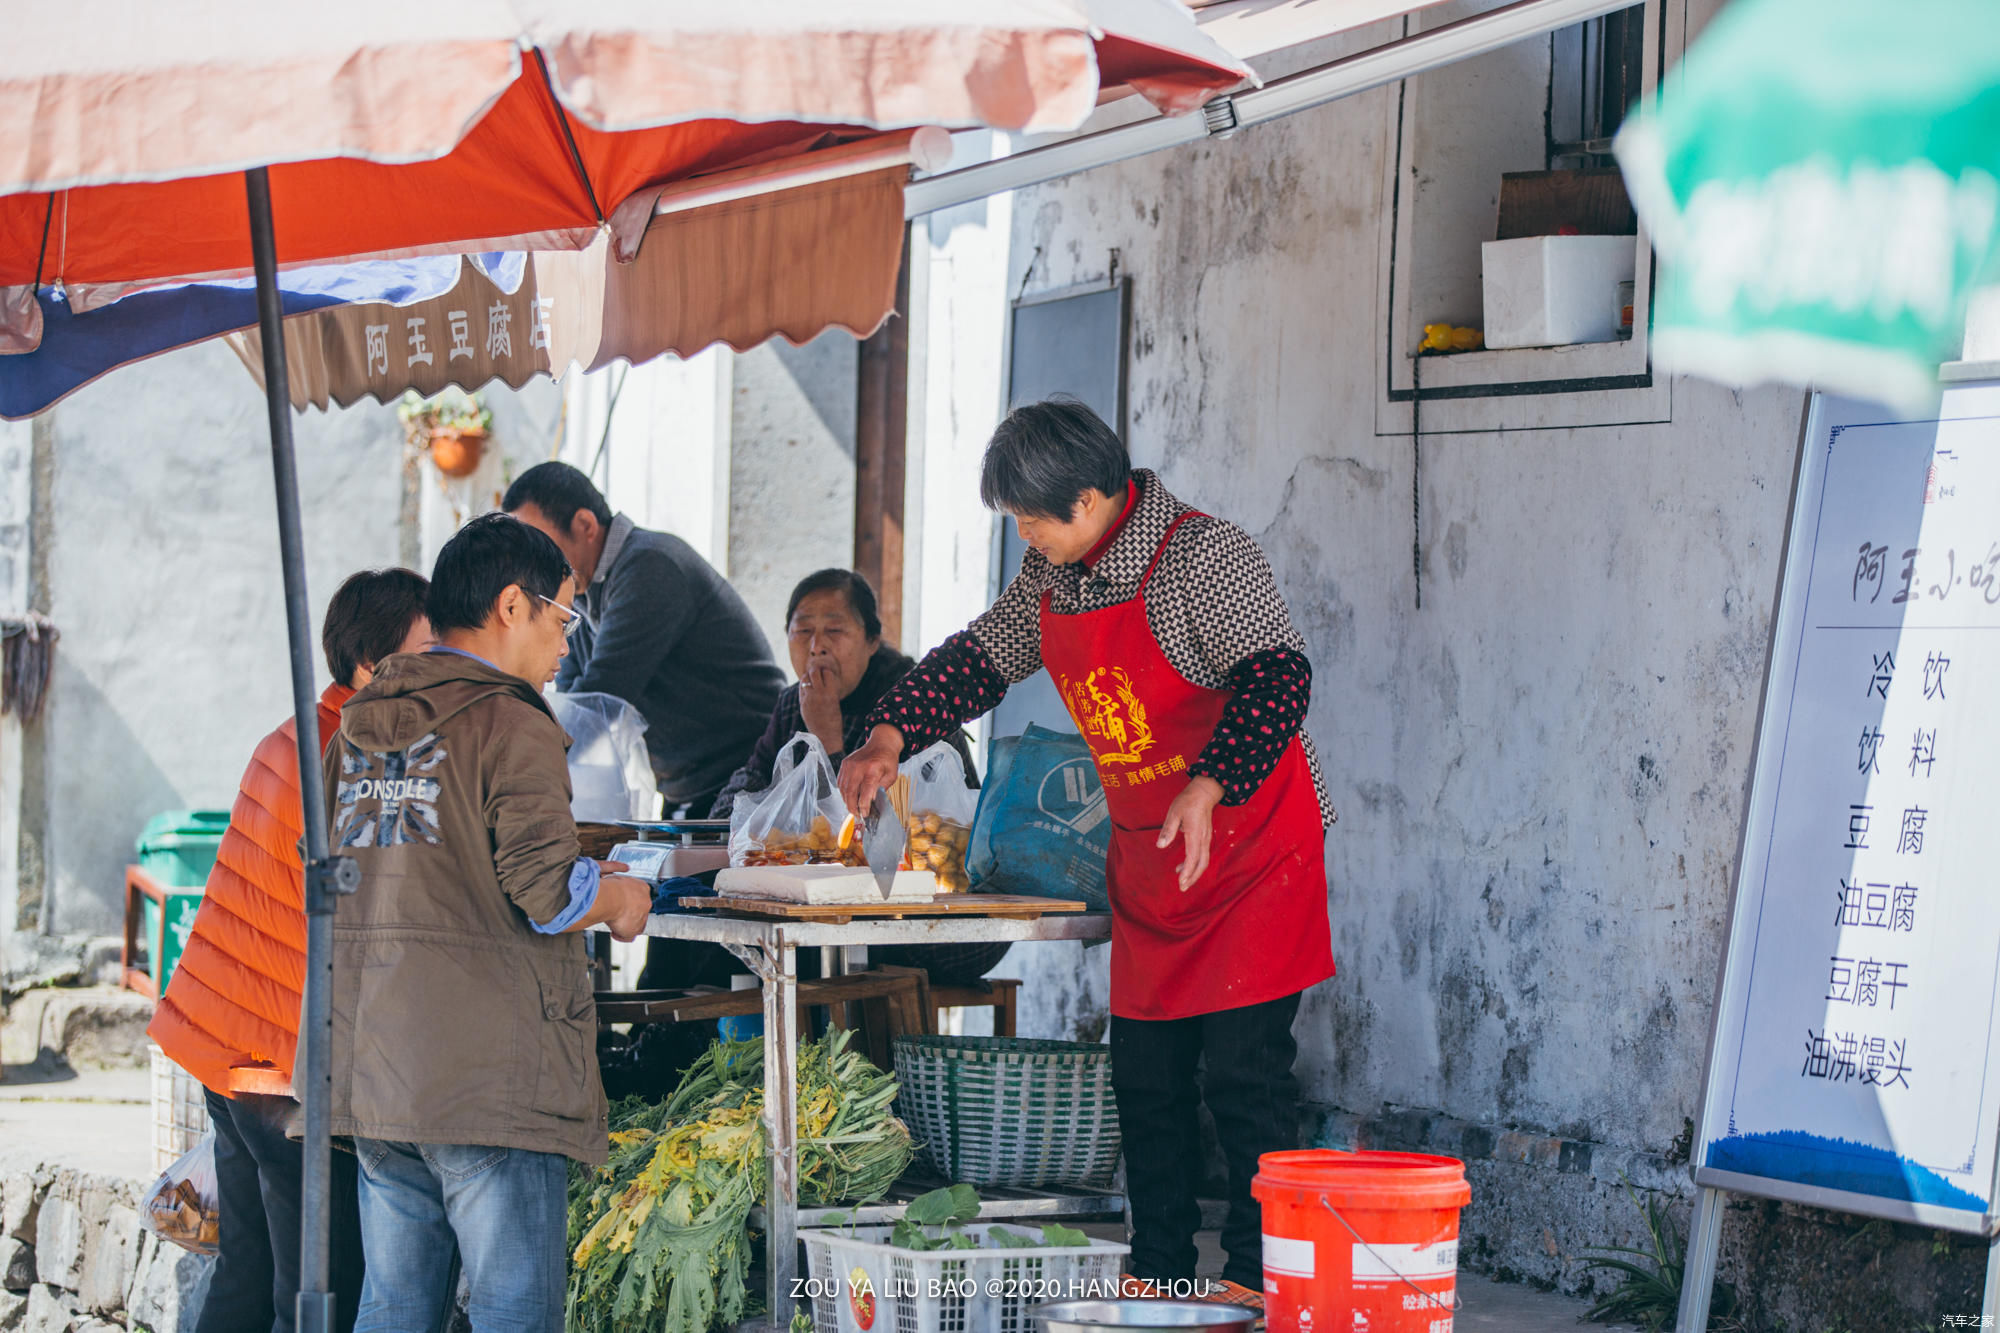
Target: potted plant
[453, 426]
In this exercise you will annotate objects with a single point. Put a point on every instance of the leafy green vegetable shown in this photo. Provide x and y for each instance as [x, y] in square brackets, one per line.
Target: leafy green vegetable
[955, 1203]
[1004, 1239]
[1057, 1236]
[658, 1236]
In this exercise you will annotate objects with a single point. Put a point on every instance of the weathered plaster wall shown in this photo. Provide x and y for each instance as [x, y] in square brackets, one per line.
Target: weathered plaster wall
[161, 550]
[1540, 771]
[164, 583]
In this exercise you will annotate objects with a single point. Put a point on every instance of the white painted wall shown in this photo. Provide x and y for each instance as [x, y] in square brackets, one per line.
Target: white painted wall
[791, 470]
[957, 363]
[16, 445]
[665, 461]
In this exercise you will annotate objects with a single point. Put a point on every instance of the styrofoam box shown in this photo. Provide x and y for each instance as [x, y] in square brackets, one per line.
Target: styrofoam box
[823, 884]
[1551, 291]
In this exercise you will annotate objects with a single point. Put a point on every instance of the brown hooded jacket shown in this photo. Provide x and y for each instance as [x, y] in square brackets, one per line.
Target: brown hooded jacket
[454, 1021]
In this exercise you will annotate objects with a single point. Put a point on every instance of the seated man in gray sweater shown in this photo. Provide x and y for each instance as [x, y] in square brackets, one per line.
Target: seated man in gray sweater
[666, 633]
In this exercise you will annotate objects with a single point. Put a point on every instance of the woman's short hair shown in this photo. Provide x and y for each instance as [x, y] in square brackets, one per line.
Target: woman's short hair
[860, 597]
[369, 617]
[1044, 456]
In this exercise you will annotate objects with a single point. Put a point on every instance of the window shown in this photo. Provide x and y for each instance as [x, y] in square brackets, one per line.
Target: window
[1550, 103]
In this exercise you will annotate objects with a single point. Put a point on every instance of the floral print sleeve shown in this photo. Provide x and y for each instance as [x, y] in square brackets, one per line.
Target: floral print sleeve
[954, 683]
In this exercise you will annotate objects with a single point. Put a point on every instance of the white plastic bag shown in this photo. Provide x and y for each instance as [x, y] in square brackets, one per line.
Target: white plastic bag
[183, 1205]
[610, 773]
[940, 807]
[797, 819]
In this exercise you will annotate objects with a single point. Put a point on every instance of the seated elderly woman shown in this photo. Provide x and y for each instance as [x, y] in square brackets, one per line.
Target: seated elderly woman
[834, 633]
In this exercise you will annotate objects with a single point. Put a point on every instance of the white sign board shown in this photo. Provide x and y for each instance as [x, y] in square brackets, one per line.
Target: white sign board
[1855, 1061]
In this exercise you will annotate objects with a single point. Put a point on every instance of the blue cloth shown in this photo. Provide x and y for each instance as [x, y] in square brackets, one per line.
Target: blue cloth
[77, 348]
[669, 893]
[505, 1208]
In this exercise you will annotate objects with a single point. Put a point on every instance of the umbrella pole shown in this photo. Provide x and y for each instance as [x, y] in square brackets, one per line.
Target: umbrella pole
[325, 877]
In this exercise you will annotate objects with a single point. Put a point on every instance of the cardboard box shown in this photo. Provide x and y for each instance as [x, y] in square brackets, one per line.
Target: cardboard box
[1553, 291]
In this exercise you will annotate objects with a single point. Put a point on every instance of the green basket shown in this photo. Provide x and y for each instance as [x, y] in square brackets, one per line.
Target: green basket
[1010, 1112]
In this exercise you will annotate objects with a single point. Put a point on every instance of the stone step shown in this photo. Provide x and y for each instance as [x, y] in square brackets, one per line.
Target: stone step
[81, 1027]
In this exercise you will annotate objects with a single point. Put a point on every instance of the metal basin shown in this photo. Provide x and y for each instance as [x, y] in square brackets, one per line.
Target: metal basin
[1090, 1316]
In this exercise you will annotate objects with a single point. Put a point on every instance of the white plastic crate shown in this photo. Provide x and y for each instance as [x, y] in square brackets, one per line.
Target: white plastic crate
[180, 1114]
[986, 1290]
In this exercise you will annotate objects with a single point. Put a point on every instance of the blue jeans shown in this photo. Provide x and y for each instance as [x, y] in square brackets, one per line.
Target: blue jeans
[506, 1210]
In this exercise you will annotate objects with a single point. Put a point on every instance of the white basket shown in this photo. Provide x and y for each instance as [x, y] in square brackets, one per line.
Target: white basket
[180, 1112]
[987, 1290]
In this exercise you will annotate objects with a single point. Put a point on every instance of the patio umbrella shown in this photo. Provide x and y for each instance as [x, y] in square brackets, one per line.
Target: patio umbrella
[1822, 182]
[382, 129]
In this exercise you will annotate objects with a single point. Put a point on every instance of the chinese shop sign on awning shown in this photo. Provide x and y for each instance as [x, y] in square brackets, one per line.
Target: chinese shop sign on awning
[786, 264]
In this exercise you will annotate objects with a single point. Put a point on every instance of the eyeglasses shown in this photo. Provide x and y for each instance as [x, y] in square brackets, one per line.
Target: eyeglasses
[573, 619]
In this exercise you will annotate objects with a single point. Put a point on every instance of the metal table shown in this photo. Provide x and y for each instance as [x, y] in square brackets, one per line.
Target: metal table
[769, 948]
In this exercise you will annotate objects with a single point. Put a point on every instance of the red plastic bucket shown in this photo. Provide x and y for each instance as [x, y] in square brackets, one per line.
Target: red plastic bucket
[1361, 1242]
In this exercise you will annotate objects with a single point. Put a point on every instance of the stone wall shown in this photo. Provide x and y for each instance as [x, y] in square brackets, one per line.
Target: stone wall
[74, 1259]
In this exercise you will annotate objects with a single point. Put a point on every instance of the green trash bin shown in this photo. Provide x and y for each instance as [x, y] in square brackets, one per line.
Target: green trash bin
[177, 848]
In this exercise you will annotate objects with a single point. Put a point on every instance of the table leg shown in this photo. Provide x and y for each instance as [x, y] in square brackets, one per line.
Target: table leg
[781, 1119]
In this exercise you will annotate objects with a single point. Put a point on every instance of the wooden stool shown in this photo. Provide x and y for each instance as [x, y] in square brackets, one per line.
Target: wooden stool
[893, 1002]
[1000, 994]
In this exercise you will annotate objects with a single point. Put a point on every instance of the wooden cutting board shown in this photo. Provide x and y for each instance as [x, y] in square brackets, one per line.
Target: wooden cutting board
[1008, 906]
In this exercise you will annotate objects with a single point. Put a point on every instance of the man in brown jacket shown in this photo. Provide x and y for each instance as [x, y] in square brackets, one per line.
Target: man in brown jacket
[464, 1030]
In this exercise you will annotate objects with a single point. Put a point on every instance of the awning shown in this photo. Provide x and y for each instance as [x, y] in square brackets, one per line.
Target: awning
[787, 263]
[387, 81]
[77, 347]
[1253, 30]
[399, 130]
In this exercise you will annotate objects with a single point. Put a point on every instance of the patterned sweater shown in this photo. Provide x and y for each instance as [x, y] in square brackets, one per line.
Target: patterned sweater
[1213, 606]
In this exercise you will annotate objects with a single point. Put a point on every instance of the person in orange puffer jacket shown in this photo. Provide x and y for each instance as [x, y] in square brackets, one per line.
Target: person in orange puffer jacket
[230, 1016]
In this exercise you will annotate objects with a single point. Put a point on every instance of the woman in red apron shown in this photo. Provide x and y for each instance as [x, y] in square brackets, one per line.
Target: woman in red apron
[1164, 632]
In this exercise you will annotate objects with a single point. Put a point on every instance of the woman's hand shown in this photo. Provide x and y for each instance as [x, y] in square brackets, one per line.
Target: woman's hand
[871, 768]
[1191, 816]
[819, 705]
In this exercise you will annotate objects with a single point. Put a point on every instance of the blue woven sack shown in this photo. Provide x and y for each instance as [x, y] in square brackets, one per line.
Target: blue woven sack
[1043, 828]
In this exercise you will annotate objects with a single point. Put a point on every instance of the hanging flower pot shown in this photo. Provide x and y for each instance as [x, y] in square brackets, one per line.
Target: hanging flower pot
[452, 428]
[456, 452]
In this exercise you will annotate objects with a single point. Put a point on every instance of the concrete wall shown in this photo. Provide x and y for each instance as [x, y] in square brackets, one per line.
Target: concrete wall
[160, 543]
[1540, 771]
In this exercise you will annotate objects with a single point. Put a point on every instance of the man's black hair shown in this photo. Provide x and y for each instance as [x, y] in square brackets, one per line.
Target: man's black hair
[1044, 456]
[860, 597]
[558, 490]
[368, 619]
[477, 564]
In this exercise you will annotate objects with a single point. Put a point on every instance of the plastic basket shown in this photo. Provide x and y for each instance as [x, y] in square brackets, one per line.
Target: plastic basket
[859, 1284]
[1008, 1111]
[180, 1111]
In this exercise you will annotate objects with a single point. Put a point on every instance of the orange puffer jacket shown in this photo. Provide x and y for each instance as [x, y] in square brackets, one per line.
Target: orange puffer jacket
[234, 998]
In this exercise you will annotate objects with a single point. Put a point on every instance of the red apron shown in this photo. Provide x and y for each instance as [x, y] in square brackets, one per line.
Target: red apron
[1254, 926]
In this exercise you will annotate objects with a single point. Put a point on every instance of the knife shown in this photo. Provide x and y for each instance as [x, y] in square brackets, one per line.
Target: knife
[883, 840]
